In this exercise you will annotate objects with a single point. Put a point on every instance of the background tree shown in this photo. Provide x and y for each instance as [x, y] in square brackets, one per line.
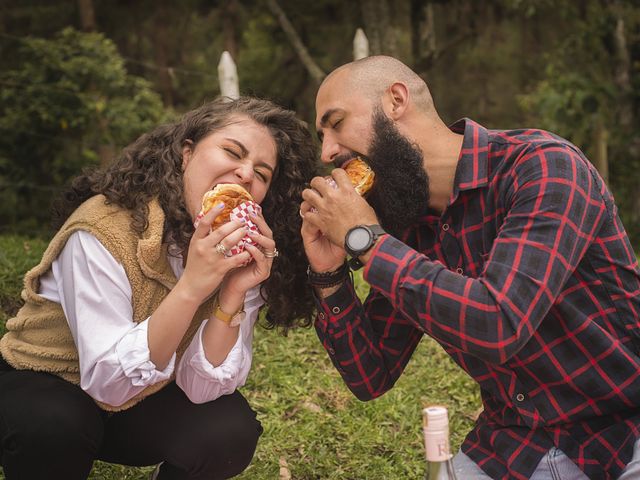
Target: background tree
[587, 94]
[68, 98]
[571, 67]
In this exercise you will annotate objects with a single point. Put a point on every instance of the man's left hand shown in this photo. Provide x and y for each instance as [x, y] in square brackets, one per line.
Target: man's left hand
[336, 209]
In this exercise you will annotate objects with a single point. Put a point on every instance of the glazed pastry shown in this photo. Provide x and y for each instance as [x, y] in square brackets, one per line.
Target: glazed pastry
[360, 174]
[230, 194]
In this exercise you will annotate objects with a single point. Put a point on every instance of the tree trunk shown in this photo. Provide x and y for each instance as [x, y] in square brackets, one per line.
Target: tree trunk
[106, 150]
[423, 32]
[626, 114]
[87, 15]
[312, 67]
[623, 66]
[380, 32]
[230, 33]
[602, 161]
[160, 38]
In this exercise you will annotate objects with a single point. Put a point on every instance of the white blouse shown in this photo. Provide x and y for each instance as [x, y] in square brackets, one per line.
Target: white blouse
[95, 295]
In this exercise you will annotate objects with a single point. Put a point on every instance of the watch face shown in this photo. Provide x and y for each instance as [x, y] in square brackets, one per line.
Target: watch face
[237, 318]
[358, 239]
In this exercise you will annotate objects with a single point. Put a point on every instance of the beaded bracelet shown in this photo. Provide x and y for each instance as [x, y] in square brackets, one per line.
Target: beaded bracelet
[328, 279]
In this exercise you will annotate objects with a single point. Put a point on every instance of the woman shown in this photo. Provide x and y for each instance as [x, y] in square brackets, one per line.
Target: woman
[125, 350]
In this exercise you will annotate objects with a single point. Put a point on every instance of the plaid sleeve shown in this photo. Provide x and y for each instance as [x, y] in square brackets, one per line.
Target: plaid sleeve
[368, 346]
[552, 208]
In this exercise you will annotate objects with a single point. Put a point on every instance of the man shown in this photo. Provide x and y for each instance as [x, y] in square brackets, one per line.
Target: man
[506, 248]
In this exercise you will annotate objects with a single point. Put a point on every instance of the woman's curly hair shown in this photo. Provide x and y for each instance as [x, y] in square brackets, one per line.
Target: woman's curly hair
[152, 167]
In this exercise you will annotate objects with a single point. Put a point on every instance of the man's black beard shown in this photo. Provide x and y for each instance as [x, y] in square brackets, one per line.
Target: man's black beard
[400, 192]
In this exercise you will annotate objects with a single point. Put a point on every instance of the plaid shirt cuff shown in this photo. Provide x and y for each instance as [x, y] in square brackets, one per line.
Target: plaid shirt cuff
[331, 309]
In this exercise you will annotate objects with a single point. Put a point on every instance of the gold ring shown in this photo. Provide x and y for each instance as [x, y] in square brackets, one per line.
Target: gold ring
[272, 254]
[221, 249]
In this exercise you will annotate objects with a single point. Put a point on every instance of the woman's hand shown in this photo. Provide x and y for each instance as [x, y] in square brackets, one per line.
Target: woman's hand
[206, 266]
[258, 269]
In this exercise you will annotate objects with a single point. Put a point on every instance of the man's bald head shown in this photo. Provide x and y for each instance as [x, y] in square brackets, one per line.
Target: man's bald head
[371, 76]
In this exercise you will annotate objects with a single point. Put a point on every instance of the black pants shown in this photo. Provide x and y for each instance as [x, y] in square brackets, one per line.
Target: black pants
[50, 428]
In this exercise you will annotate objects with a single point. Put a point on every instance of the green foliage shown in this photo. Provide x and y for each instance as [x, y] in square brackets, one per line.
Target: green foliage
[310, 418]
[581, 93]
[68, 98]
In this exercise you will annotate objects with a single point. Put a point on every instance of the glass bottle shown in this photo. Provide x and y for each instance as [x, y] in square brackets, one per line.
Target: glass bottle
[436, 443]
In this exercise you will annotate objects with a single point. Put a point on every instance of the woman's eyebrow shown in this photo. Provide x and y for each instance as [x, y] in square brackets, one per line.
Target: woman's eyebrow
[265, 165]
[239, 144]
[245, 152]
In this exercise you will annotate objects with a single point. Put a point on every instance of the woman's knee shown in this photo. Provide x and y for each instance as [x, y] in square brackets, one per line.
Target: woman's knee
[63, 429]
[49, 428]
[60, 418]
[234, 453]
[224, 444]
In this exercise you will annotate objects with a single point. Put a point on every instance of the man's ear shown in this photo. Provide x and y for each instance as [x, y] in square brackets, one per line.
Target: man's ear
[397, 99]
[187, 152]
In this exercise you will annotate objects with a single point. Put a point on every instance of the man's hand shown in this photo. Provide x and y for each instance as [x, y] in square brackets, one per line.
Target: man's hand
[333, 211]
[323, 255]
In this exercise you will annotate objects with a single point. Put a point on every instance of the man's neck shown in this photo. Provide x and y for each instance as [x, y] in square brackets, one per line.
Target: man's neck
[441, 163]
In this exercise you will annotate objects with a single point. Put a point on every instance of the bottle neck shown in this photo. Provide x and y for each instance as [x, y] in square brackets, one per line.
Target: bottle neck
[440, 471]
[437, 445]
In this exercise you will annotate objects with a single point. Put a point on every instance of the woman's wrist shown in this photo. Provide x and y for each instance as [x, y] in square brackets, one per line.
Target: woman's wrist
[186, 294]
[230, 301]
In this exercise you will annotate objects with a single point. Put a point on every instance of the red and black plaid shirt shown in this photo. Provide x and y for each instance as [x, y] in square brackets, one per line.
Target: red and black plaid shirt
[530, 284]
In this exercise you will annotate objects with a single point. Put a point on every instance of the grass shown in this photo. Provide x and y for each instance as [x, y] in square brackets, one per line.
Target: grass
[311, 421]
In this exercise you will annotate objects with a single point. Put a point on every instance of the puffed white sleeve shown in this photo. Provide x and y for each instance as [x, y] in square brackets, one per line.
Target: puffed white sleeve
[199, 379]
[95, 295]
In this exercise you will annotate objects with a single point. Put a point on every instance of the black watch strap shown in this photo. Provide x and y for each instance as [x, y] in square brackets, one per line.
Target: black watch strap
[376, 230]
[355, 263]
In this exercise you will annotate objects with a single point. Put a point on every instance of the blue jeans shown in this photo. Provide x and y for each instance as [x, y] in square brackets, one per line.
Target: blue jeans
[555, 465]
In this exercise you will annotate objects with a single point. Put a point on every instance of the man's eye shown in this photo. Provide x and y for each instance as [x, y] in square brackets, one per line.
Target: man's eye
[337, 123]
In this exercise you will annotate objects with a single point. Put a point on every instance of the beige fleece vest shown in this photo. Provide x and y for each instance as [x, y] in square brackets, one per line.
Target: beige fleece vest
[38, 337]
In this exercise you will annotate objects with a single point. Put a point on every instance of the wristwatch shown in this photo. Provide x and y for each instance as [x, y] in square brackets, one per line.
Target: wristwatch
[231, 319]
[359, 241]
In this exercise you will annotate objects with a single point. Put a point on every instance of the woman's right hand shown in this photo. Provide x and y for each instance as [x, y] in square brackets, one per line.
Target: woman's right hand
[206, 267]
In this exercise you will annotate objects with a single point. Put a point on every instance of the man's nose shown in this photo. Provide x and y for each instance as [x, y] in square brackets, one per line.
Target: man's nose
[329, 150]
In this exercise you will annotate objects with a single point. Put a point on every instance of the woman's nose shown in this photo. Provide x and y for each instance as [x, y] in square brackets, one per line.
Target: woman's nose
[245, 173]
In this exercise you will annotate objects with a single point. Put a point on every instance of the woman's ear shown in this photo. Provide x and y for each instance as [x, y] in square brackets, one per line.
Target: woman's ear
[187, 152]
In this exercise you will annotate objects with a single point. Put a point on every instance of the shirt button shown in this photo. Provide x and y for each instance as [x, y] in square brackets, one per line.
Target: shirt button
[331, 351]
[321, 315]
[459, 271]
[335, 310]
[445, 226]
[520, 397]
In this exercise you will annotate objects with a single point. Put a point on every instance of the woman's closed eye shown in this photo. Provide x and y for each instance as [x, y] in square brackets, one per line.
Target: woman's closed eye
[264, 177]
[233, 153]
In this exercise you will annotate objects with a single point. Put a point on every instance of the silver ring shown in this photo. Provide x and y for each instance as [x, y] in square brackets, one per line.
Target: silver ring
[301, 214]
[221, 249]
[273, 254]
